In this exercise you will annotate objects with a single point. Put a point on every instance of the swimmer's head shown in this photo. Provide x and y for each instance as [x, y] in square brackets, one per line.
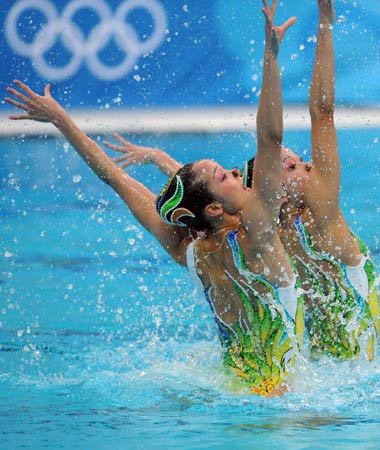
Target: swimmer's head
[183, 200]
[295, 174]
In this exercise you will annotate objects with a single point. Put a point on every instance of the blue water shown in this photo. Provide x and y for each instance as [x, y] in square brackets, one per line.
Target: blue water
[105, 344]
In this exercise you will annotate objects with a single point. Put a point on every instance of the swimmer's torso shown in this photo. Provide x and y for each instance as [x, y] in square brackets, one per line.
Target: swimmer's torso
[258, 323]
[337, 302]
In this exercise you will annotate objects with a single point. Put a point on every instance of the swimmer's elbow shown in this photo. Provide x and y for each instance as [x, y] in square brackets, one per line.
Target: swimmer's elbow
[322, 112]
[271, 138]
[270, 134]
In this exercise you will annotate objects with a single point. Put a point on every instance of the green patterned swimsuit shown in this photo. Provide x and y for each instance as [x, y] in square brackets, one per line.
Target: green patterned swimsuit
[344, 318]
[261, 347]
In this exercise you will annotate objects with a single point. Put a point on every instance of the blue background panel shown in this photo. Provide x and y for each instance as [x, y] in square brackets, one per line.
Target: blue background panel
[174, 53]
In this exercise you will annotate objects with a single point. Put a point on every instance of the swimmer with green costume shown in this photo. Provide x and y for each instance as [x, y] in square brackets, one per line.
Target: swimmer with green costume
[337, 273]
[237, 254]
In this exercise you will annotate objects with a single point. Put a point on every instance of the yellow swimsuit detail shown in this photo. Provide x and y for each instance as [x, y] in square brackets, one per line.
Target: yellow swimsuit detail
[262, 348]
[342, 322]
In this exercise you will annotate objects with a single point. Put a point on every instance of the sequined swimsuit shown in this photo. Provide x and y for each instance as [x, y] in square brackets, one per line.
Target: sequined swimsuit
[263, 344]
[345, 319]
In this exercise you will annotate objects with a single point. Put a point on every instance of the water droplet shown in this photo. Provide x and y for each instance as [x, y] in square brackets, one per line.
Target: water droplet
[340, 19]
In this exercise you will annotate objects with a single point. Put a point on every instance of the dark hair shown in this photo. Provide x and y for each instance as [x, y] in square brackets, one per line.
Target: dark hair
[184, 198]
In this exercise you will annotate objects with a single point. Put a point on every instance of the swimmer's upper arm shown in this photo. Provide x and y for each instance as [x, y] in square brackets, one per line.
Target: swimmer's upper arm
[259, 220]
[174, 240]
[141, 202]
[324, 146]
[325, 180]
[265, 204]
[324, 150]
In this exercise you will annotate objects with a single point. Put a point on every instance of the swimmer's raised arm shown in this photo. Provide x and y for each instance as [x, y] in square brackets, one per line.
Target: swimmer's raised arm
[267, 168]
[46, 109]
[324, 147]
[139, 154]
[139, 199]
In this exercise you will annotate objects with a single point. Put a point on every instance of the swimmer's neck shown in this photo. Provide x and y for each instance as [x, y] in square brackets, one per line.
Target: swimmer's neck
[289, 211]
[211, 240]
[221, 225]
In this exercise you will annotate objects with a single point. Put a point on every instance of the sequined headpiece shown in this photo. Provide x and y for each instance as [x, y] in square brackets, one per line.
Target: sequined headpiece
[169, 208]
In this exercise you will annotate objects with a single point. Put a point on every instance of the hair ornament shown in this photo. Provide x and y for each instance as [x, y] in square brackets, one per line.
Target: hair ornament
[168, 210]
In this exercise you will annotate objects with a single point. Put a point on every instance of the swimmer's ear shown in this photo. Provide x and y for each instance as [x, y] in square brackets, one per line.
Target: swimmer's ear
[214, 209]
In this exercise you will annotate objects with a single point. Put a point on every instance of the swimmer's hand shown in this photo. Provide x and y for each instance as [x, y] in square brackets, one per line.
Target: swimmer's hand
[42, 108]
[274, 34]
[133, 154]
[138, 154]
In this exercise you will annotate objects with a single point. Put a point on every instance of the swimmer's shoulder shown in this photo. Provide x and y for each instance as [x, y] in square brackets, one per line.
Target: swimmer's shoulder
[186, 239]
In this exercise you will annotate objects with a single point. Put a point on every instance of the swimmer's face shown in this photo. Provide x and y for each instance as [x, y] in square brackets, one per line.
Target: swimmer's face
[226, 185]
[295, 174]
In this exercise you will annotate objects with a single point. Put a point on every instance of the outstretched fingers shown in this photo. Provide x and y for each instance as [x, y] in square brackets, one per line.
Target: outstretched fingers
[119, 138]
[126, 160]
[117, 148]
[268, 11]
[47, 90]
[41, 108]
[267, 7]
[280, 31]
[289, 23]
[20, 117]
[120, 158]
[25, 88]
[18, 95]
[19, 105]
[24, 104]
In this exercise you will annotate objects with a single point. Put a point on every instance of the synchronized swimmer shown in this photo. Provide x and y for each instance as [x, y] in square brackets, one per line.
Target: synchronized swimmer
[278, 263]
[335, 267]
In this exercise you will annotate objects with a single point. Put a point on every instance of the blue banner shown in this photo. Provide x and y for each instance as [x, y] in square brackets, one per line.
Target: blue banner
[174, 53]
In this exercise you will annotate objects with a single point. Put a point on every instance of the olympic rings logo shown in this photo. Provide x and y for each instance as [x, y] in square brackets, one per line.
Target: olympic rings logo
[85, 49]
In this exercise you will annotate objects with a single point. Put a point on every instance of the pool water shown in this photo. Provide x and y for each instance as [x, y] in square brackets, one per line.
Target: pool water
[104, 343]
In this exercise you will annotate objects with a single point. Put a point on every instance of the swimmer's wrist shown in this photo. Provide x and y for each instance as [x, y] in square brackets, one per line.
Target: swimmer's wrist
[58, 116]
[272, 47]
[153, 155]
